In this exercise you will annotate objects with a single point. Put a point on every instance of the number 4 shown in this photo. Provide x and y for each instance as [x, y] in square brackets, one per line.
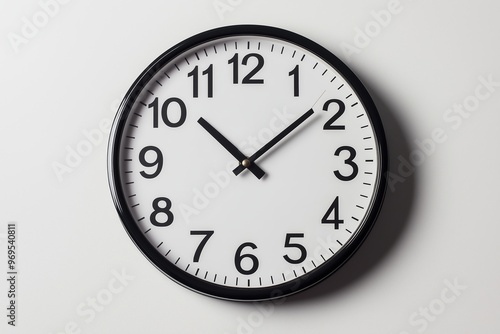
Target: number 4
[335, 221]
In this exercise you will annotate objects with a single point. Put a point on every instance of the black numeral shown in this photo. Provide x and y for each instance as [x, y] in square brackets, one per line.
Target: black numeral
[303, 252]
[349, 161]
[295, 74]
[164, 112]
[202, 244]
[209, 73]
[329, 124]
[164, 209]
[158, 161]
[335, 221]
[248, 79]
[238, 258]
[234, 61]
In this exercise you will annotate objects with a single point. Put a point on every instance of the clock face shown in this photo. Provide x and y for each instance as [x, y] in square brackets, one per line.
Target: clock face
[247, 163]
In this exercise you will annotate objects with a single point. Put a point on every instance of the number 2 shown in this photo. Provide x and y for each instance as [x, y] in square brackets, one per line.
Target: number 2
[329, 124]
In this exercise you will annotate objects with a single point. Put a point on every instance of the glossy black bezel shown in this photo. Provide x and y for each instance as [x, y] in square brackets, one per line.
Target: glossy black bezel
[177, 274]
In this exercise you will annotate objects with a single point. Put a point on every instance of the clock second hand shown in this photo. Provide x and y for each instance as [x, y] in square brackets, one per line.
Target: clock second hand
[274, 141]
[242, 159]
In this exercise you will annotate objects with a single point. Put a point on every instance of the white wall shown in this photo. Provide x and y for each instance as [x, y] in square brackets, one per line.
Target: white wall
[430, 265]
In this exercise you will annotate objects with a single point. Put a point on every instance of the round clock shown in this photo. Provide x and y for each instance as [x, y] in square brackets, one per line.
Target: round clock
[247, 163]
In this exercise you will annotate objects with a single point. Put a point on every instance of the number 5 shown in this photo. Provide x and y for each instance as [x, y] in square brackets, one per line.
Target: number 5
[303, 252]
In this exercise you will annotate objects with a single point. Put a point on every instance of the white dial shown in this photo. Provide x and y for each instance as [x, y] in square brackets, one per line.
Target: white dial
[246, 163]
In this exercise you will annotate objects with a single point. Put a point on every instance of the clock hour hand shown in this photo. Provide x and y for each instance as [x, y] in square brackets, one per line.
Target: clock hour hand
[274, 141]
[242, 159]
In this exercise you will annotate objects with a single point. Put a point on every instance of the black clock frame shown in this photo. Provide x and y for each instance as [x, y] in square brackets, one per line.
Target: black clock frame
[200, 285]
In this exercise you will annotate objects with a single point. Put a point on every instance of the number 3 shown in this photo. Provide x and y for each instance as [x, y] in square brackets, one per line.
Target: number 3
[349, 161]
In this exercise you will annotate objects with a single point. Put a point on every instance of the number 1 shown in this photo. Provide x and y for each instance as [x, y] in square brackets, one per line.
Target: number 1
[295, 73]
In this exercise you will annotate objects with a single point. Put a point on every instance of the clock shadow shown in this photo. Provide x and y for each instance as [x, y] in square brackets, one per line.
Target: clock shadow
[391, 223]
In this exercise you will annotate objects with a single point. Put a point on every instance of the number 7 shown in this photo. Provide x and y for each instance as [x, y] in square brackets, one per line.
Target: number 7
[202, 244]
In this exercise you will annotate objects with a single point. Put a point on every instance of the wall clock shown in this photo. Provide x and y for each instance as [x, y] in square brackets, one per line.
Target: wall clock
[247, 163]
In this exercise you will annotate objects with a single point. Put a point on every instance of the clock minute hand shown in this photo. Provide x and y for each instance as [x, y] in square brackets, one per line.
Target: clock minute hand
[242, 159]
[274, 141]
